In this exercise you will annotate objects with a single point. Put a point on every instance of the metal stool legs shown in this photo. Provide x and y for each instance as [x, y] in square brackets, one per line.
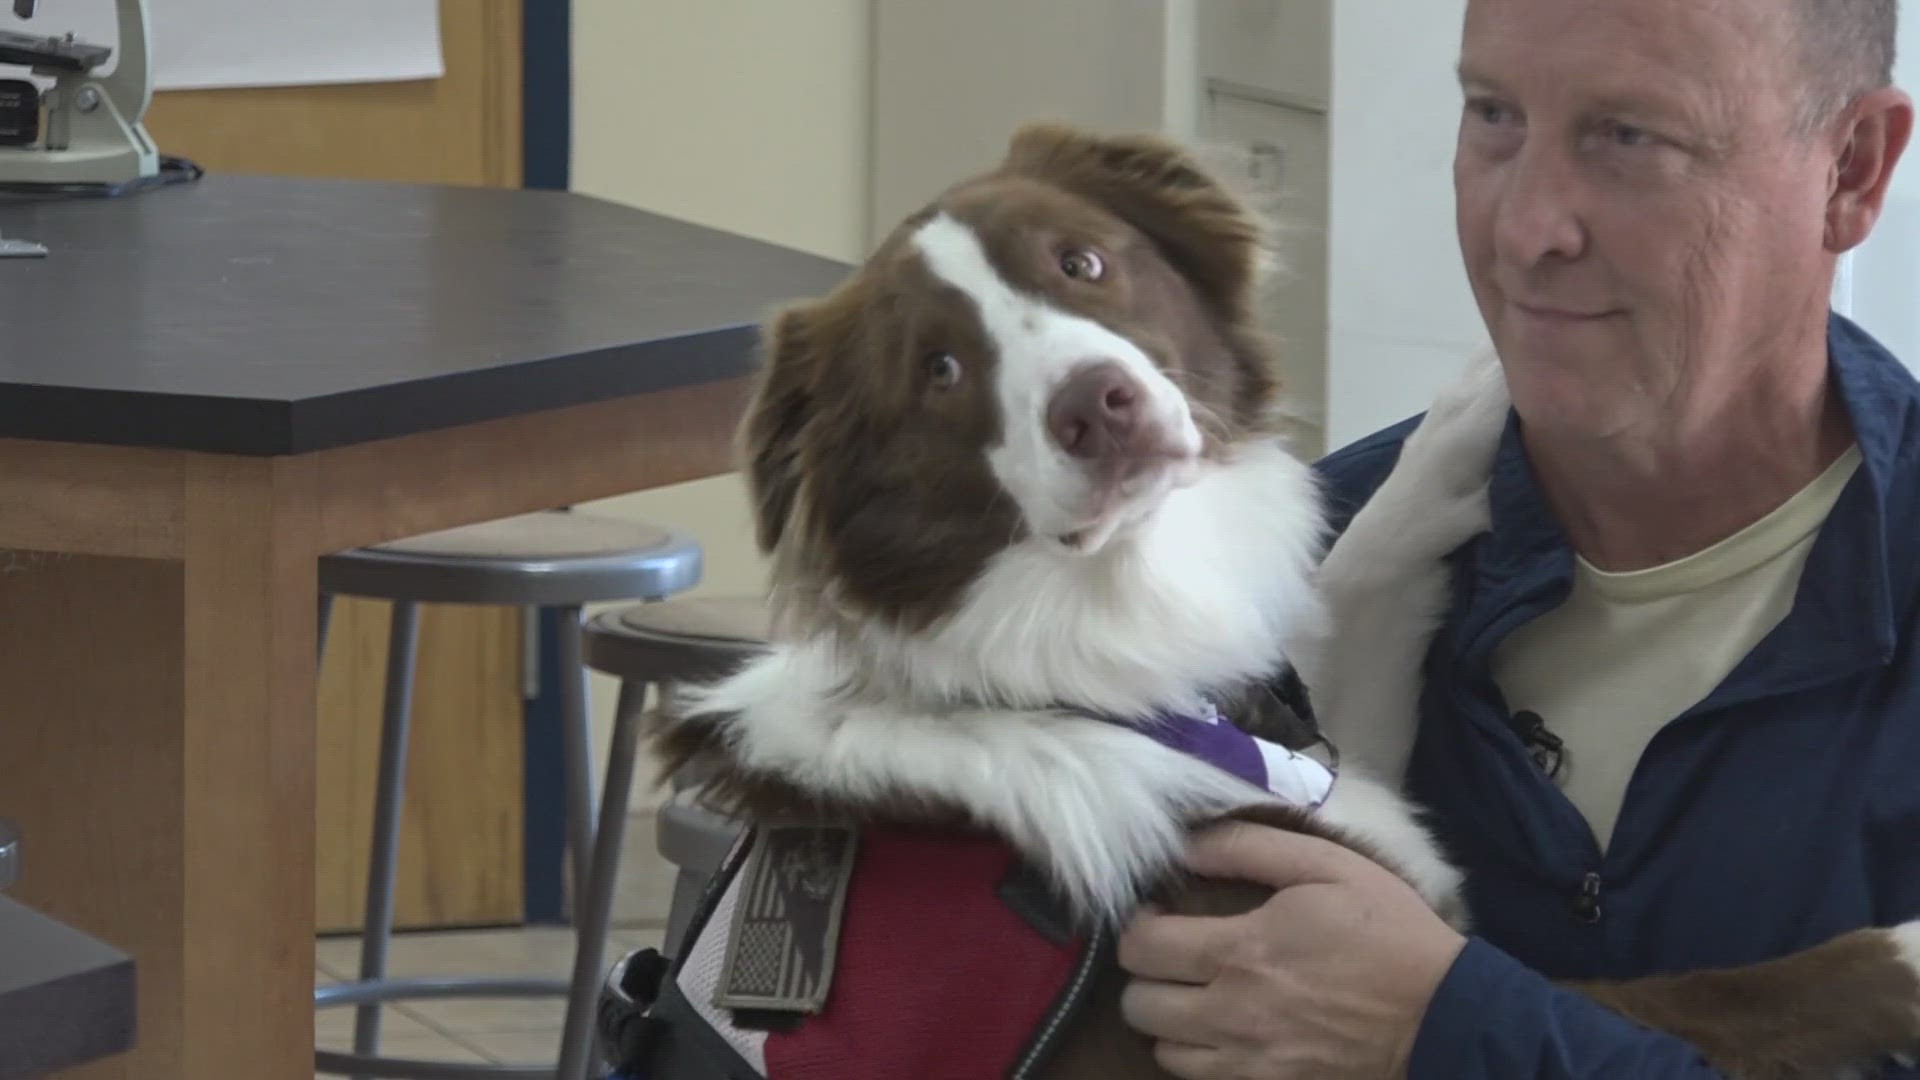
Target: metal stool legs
[594, 914]
[373, 988]
[579, 754]
[390, 801]
[548, 561]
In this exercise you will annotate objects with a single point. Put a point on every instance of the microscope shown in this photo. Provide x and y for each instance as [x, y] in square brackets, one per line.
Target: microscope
[86, 131]
[93, 132]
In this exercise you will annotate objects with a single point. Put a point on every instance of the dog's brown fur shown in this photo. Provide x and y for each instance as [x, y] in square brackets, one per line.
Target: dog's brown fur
[1842, 1005]
[896, 539]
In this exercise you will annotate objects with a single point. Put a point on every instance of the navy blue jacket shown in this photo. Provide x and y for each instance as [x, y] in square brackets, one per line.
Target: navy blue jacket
[1780, 811]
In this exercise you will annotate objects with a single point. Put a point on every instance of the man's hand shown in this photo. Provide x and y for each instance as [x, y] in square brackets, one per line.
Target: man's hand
[1328, 979]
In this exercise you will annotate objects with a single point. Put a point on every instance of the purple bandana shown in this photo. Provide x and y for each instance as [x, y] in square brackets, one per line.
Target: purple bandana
[1214, 739]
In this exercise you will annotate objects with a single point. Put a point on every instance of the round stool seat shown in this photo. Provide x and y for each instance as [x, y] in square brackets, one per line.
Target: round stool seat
[686, 639]
[553, 558]
[721, 621]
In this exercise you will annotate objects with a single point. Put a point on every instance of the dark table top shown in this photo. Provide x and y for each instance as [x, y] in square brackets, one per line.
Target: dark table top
[269, 315]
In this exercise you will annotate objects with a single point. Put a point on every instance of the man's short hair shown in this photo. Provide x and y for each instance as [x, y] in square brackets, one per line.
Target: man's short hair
[1847, 47]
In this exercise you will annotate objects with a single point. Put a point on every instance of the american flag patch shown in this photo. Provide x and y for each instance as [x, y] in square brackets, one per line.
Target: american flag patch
[786, 922]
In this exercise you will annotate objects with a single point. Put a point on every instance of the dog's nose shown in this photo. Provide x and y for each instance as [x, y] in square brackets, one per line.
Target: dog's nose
[1096, 412]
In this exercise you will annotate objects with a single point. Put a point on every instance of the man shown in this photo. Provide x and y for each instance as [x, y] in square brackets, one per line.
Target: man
[1696, 594]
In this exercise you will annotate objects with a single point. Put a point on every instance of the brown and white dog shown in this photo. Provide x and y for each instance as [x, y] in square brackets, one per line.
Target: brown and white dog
[1020, 478]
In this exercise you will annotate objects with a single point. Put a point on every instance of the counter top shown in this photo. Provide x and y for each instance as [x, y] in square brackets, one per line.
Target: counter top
[266, 315]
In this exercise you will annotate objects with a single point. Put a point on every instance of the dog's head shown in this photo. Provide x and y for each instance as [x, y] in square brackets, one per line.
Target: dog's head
[1039, 357]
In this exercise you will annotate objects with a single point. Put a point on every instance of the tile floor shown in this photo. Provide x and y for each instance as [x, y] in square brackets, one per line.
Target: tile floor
[507, 1031]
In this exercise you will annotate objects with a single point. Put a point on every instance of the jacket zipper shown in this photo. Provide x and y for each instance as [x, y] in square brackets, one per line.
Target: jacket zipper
[1586, 906]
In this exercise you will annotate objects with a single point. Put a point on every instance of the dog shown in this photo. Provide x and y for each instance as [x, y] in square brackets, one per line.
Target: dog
[1042, 562]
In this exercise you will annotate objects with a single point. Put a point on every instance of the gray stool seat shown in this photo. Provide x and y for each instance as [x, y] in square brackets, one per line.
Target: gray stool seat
[702, 622]
[553, 558]
[689, 639]
[556, 560]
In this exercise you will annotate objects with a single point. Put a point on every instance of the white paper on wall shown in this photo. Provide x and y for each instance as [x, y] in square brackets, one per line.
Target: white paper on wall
[229, 43]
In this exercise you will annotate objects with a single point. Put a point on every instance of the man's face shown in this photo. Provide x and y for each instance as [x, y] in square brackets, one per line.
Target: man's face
[1634, 208]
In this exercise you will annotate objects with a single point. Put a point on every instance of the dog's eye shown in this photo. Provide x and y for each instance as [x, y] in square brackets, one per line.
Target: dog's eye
[1082, 265]
[943, 370]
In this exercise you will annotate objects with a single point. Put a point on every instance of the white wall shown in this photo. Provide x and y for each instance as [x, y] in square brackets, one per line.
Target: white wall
[1880, 282]
[1400, 317]
[1906, 73]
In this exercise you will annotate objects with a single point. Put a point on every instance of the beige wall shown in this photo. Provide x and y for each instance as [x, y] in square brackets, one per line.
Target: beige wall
[745, 115]
[749, 115]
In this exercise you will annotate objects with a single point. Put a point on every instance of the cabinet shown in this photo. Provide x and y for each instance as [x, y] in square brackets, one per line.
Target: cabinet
[1249, 78]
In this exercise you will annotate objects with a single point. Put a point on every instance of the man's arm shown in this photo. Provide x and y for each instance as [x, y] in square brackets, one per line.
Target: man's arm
[1494, 1018]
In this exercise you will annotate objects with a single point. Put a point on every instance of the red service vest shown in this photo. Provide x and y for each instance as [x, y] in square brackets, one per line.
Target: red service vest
[828, 953]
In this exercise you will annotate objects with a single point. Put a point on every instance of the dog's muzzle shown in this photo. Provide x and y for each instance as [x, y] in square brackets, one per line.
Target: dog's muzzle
[1102, 417]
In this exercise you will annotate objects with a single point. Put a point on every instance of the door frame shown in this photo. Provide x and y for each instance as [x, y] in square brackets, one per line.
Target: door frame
[547, 156]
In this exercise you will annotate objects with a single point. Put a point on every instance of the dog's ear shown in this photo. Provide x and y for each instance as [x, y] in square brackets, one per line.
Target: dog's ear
[777, 415]
[1161, 188]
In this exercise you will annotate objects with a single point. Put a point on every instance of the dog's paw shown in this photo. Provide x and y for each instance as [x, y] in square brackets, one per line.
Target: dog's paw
[1399, 538]
[1435, 499]
[1906, 941]
[1459, 519]
[1379, 818]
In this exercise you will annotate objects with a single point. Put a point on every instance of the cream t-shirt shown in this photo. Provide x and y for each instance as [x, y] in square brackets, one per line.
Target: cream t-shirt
[1626, 653]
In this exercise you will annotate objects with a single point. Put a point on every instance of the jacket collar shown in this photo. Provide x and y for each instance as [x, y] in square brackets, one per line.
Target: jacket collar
[1843, 617]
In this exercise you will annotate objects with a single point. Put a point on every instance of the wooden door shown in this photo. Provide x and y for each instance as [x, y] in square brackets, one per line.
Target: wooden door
[460, 855]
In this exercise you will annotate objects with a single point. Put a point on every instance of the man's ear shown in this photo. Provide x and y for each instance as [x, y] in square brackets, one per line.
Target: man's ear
[1876, 133]
[1161, 188]
[777, 415]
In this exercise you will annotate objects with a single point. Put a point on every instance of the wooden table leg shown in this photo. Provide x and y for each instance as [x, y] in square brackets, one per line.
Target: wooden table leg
[158, 752]
[157, 687]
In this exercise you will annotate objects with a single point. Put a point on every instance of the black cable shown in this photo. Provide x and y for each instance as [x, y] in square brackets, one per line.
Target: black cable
[173, 170]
